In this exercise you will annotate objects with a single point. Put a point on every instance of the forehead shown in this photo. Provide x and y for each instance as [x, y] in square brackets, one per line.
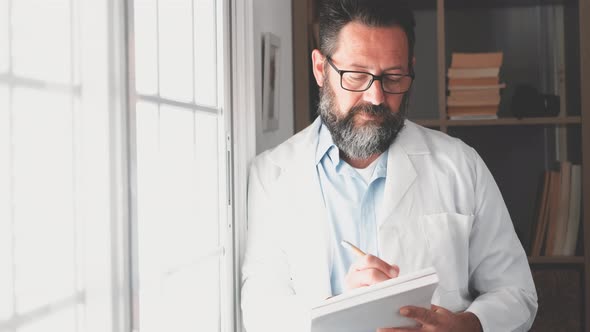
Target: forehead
[379, 46]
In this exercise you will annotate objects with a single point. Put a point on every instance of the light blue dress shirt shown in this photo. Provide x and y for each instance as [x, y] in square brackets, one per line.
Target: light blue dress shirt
[353, 206]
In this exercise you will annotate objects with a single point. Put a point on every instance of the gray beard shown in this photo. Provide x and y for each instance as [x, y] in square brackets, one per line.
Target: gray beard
[361, 142]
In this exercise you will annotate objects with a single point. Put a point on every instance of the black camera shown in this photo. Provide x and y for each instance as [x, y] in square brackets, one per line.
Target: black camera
[528, 102]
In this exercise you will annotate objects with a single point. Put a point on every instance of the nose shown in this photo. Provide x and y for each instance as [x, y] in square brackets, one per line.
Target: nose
[374, 94]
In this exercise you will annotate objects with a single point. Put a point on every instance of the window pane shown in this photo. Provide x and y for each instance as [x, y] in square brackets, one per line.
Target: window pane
[178, 244]
[175, 20]
[5, 215]
[148, 191]
[186, 300]
[42, 27]
[4, 47]
[146, 53]
[43, 198]
[179, 181]
[63, 320]
[207, 179]
[178, 220]
[205, 53]
[191, 297]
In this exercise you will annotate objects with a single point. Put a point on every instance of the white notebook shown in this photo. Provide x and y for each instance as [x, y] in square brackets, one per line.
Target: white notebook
[369, 308]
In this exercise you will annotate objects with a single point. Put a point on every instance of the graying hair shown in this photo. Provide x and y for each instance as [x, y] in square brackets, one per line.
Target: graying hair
[335, 14]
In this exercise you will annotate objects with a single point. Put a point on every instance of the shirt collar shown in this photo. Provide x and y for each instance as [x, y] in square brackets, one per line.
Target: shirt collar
[326, 146]
[381, 167]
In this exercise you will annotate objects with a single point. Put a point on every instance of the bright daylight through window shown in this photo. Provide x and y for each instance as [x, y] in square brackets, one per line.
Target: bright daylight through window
[113, 176]
[55, 209]
[180, 220]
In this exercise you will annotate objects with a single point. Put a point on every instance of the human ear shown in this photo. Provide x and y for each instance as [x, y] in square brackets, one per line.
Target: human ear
[317, 59]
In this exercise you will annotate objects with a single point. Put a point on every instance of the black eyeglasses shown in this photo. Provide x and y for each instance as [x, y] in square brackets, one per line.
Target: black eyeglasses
[359, 81]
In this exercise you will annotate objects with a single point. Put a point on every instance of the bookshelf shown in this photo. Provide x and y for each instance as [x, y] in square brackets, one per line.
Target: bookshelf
[564, 260]
[501, 122]
[546, 43]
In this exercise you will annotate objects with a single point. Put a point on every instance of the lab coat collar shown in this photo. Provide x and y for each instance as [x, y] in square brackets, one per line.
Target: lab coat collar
[401, 173]
[299, 152]
[301, 148]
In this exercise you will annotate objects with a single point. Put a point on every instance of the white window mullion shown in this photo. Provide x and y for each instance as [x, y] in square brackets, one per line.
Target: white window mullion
[243, 128]
[222, 44]
[77, 253]
[78, 229]
[7, 263]
[7, 236]
[133, 160]
[180, 104]
[193, 59]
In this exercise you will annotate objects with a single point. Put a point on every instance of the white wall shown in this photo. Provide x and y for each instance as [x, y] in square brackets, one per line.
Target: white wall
[274, 16]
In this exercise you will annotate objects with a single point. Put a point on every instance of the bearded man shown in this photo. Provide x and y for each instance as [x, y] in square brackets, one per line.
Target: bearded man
[408, 196]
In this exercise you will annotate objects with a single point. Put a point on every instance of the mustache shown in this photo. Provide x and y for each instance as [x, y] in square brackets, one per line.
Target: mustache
[381, 110]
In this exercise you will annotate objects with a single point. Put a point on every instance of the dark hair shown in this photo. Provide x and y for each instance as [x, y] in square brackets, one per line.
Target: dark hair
[335, 14]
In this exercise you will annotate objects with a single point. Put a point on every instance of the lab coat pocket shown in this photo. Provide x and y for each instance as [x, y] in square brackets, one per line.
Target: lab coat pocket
[447, 238]
[401, 242]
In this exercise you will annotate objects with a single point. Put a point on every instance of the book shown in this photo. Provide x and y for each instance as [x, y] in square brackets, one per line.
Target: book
[573, 224]
[562, 209]
[552, 206]
[476, 60]
[464, 101]
[476, 87]
[475, 94]
[541, 224]
[473, 72]
[375, 306]
[474, 117]
[472, 110]
[479, 81]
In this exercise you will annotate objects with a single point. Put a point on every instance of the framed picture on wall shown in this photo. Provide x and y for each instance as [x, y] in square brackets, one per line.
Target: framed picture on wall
[270, 81]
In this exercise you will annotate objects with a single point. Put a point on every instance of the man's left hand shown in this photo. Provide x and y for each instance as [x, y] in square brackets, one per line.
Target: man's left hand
[438, 319]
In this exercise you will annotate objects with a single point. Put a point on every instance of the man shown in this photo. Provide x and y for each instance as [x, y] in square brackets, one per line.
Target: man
[408, 196]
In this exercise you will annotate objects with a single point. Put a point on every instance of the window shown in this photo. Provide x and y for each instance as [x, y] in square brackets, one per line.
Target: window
[181, 230]
[97, 233]
[55, 166]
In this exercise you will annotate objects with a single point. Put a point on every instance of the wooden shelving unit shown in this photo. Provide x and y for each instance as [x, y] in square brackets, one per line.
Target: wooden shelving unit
[514, 149]
[501, 122]
[569, 260]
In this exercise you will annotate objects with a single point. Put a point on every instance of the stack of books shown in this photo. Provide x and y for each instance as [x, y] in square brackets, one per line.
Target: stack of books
[474, 87]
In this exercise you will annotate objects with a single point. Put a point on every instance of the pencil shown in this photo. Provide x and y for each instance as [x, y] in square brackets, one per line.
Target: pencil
[352, 247]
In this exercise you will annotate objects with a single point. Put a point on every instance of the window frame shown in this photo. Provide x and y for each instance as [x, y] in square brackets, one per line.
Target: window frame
[228, 302]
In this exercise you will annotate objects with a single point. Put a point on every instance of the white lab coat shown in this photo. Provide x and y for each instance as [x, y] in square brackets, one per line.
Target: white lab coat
[444, 209]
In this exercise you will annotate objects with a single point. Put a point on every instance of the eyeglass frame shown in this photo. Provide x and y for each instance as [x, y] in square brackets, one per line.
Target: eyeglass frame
[373, 78]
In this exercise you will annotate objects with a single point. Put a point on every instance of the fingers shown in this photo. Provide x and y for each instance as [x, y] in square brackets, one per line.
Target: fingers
[372, 262]
[400, 329]
[366, 277]
[369, 270]
[438, 309]
[421, 315]
[428, 320]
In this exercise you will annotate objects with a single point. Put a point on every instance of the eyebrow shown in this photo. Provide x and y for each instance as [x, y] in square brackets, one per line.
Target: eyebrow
[384, 70]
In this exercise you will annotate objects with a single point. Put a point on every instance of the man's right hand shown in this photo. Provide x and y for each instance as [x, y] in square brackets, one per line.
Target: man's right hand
[368, 270]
